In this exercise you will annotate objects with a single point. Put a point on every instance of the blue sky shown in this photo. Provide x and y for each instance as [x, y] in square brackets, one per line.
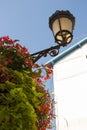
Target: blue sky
[27, 20]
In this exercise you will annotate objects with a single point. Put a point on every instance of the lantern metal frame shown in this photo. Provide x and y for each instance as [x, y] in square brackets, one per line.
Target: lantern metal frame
[54, 50]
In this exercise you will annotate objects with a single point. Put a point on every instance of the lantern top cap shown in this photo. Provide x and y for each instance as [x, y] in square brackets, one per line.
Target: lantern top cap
[59, 14]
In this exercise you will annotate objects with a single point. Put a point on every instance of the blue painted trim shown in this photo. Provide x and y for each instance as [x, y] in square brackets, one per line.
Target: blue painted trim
[67, 52]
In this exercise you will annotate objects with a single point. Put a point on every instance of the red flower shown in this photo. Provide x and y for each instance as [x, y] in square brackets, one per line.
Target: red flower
[18, 46]
[26, 61]
[27, 54]
[39, 81]
[30, 63]
[24, 48]
[1, 68]
[10, 60]
[19, 52]
[6, 39]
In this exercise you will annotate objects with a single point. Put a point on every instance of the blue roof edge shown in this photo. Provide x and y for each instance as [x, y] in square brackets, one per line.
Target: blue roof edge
[78, 45]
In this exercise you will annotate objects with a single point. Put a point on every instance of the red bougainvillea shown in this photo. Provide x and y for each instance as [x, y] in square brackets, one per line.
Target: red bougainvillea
[13, 57]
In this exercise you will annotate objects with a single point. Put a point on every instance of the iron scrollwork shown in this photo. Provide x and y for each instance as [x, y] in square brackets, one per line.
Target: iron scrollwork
[52, 51]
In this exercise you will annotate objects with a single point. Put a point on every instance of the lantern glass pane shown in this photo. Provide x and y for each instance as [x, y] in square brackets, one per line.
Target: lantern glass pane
[55, 27]
[59, 38]
[66, 24]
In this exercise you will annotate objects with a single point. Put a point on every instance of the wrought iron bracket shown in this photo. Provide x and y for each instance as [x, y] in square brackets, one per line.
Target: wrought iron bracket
[52, 51]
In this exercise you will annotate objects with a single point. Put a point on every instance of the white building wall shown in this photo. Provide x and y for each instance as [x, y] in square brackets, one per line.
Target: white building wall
[70, 89]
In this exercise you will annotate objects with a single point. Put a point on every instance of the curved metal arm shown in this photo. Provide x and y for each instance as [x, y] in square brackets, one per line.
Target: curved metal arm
[52, 51]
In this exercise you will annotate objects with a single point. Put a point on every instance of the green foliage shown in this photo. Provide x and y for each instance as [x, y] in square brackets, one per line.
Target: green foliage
[25, 104]
[18, 102]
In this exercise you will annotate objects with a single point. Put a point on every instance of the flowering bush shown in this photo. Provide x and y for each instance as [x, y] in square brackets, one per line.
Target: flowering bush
[25, 104]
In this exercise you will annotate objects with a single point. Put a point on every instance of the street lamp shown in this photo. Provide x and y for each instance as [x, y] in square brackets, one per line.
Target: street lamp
[62, 24]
